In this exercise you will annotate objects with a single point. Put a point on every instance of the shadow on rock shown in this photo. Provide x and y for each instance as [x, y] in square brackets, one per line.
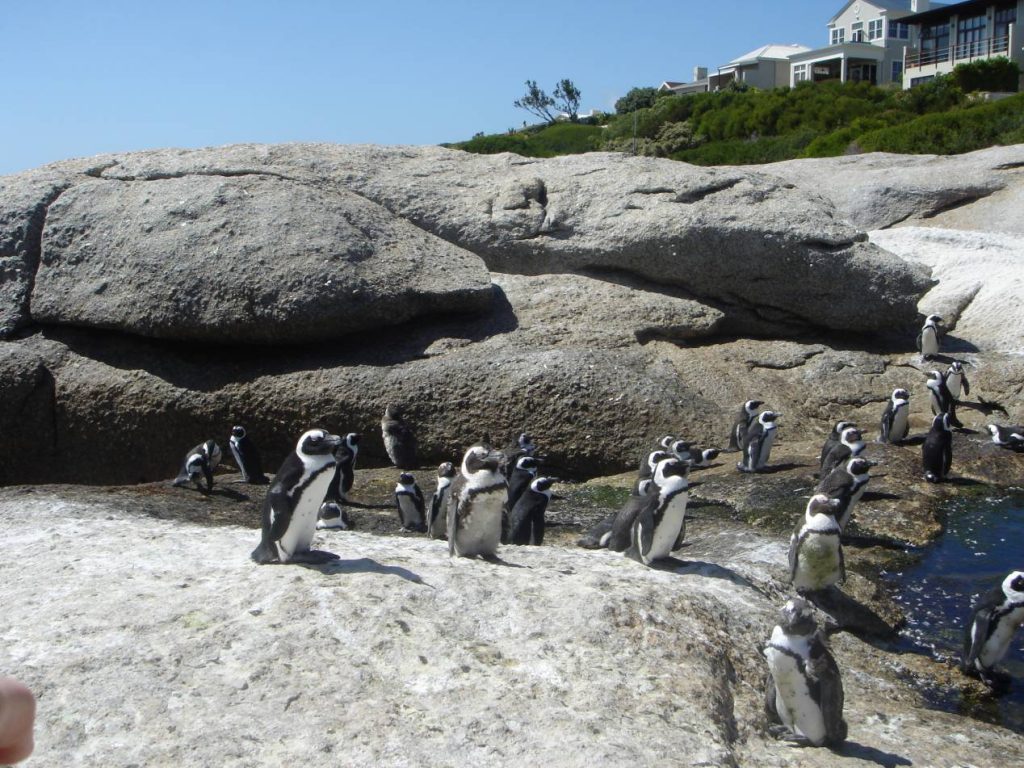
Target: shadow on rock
[365, 565]
[847, 614]
[877, 756]
[701, 568]
[771, 470]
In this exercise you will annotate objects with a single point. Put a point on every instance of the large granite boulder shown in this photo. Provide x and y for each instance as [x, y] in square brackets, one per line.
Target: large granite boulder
[242, 259]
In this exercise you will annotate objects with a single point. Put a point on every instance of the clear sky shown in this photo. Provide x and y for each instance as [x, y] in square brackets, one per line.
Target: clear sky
[82, 77]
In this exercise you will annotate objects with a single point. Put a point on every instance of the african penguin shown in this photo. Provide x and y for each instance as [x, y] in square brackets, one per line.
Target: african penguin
[804, 692]
[526, 518]
[411, 507]
[247, 456]
[937, 450]
[1007, 437]
[928, 338]
[332, 512]
[524, 446]
[846, 483]
[199, 465]
[680, 449]
[895, 422]
[956, 380]
[741, 422]
[399, 440]
[525, 472]
[647, 468]
[757, 442]
[476, 504]
[702, 457]
[660, 525]
[942, 399]
[291, 505]
[994, 620]
[437, 521]
[833, 438]
[815, 554]
[850, 444]
[616, 531]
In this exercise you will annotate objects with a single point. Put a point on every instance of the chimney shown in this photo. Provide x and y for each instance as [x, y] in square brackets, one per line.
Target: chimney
[918, 6]
[699, 73]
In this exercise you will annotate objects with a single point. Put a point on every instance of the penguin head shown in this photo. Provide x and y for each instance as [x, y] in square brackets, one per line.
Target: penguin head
[526, 442]
[993, 429]
[956, 367]
[850, 435]
[666, 441]
[527, 464]
[238, 431]
[941, 423]
[644, 487]
[822, 504]
[751, 406]
[482, 458]
[841, 425]
[655, 456]
[212, 451]
[1013, 586]
[900, 394]
[352, 439]
[934, 377]
[446, 469]
[768, 417]
[859, 466]
[543, 485]
[710, 454]
[406, 478]
[317, 442]
[797, 617]
[670, 467]
[680, 448]
[933, 320]
[393, 412]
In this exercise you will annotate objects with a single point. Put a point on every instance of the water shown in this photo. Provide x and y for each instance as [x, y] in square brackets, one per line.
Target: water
[981, 545]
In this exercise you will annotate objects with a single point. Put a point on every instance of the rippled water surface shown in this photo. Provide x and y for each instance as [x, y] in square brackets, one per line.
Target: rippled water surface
[983, 542]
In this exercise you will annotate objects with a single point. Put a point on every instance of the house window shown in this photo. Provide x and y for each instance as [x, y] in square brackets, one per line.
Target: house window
[899, 31]
[934, 43]
[799, 73]
[897, 71]
[857, 32]
[838, 36]
[1002, 19]
[970, 37]
[919, 80]
[875, 29]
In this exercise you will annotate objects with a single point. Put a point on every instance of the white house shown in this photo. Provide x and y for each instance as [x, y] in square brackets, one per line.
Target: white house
[764, 67]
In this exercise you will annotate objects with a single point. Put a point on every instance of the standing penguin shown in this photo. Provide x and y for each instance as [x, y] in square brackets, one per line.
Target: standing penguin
[928, 338]
[680, 449]
[804, 694]
[815, 554]
[523, 446]
[399, 440]
[437, 521]
[740, 424]
[332, 512]
[942, 399]
[1007, 437]
[833, 439]
[994, 620]
[660, 527]
[199, 465]
[757, 442]
[247, 457]
[524, 473]
[937, 450]
[850, 444]
[476, 503]
[956, 380]
[895, 422]
[846, 483]
[526, 518]
[291, 505]
[409, 500]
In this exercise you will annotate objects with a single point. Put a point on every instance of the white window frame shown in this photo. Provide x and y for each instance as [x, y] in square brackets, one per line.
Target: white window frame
[899, 31]
[876, 29]
[799, 73]
[897, 71]
[838, 36]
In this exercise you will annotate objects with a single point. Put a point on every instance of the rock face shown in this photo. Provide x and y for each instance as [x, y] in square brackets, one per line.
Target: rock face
[396, 655]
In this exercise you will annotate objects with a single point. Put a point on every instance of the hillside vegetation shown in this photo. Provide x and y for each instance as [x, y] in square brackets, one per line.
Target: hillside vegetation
[737, 126]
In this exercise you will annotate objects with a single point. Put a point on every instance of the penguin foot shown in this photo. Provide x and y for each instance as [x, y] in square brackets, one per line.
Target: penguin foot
[743, 468]
[998, 681]
[313, 557]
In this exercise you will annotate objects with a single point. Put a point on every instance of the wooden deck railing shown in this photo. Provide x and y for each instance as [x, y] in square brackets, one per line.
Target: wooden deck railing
[980, 49]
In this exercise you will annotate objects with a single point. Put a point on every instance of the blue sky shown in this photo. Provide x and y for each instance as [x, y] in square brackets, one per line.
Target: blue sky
[91, 76]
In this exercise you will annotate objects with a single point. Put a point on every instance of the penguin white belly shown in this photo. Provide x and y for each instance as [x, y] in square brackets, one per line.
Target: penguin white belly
[996, 646]
[410, 512]
[480, 532]
[929, 341]
[797, 709]
[900, 425]
[818, 565]
[766, 448]
[666, 534]
[954, 382]
[302, 527]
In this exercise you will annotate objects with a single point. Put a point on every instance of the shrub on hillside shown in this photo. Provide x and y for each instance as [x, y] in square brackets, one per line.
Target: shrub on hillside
[998, 74]
[636, 98]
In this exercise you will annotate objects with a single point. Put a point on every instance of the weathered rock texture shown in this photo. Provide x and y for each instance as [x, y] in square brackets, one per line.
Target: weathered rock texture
[396, 655]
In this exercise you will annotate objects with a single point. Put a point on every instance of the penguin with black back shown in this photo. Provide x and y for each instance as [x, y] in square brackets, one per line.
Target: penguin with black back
[437, 520]
[524, 473]
[741, 422]
[293, 500]
[758, 441]
[815, 552]
[702, 457]
[942, 400]
[846, 483]
[527, 518]
[994, 620]
[1007, 437]
[332, 512]
[523, 446]
[410, 503]
[660, 526]
[895, 423]
[804, 689]
[199, 465]
[247, 456]
[937, 450]
[399, 440]
[929, 336]
[833, 439]
[850, 444]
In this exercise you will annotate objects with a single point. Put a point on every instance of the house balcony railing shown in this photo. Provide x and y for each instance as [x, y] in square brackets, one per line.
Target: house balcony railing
[979, 49]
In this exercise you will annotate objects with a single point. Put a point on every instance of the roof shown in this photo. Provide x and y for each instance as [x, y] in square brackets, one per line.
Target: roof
[882, 5]
[774, 51]
[940, 12]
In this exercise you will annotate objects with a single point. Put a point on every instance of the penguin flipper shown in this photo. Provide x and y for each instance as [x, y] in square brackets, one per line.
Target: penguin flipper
[974, 639]
[794, 555]
[842, 566]
[642, 536]
[965, 384]
[538, 521]
[770, 695]
[828, 690]
[596, 537]
[208, 474]
[918, 342]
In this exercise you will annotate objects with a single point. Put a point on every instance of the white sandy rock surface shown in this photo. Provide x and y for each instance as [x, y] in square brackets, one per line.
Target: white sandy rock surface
[152, 642]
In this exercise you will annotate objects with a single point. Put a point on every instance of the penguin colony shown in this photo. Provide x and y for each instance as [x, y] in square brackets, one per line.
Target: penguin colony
[497, 497]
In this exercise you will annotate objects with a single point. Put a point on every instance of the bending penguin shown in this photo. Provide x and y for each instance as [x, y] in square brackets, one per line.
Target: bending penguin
[895, 422]
[476, 504]
[742, 421]
[833, 439]
[994, 620]
[850, 444]
[928, 338]
[199, 465]
[526, 518]
[847, 484]
[757, 442]
[409, 500]
[937, 450]
[399, 440]
[332, 512]
[660, 526]
[815, 553]
[292, 502]
[247, 456]
[804, 691]
[942, 399]
[437, 522]
[1007, 437]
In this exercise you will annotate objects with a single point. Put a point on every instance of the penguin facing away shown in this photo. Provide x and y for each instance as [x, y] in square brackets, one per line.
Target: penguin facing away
[524, 473]
[895, 422]
[833, 438]
[437, 521]
[846, 483]
[937, 450]
[332, 514]
[247, 456]
[815, 552]
[293, 500]
[1007, 437]
[199, 465]
[928, 338]
[399, 440]
[757, 442]
[476, 503]
[410, 503]
[850, 444]
[524, 446]
[526, 518]
[942, 400]
[956, 380]
[994, 620]
[804, 691]
[741, 422]
[660, 526]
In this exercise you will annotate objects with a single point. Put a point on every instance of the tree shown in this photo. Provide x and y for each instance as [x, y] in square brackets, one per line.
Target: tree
[536, 102]
[636, 98]
[567, 99]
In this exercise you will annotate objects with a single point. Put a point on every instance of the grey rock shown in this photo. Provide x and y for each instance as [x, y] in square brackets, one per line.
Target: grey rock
[242, 259]
[27, 416]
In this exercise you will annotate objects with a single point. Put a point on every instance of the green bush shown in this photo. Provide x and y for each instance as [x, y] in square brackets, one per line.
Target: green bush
[636, 98]
[998, 74]
[549, 141]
